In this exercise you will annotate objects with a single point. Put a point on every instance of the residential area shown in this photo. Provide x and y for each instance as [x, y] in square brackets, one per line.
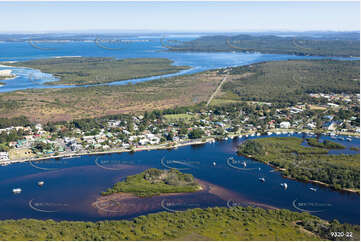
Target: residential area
[156, 130]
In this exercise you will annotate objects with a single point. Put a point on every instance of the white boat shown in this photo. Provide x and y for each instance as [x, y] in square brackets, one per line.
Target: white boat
[17, 190]
[278, 133]
[214, 163]
[244, 164]
[349, 139]
[269, 133]
[252, 135]
[258, 134]
[262, 179]
[284, 185]
[313, 189]
[240, 136]
[246, 135]
[40, 183]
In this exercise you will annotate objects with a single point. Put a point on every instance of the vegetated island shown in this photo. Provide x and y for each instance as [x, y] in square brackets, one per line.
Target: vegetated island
[217, 223]
[98, 70]
[341, 172]
[303, 46]
[153, 182]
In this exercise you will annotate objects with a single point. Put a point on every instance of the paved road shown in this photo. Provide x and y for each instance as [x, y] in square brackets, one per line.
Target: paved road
[215, 92]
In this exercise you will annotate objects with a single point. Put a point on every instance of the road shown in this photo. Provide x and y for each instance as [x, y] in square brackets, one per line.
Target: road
[215, 92]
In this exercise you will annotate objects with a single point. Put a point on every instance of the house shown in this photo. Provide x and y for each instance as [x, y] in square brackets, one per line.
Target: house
[330, 126]
[285, 125]
[4, 156]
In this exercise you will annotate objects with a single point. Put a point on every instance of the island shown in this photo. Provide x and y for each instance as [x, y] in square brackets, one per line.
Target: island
[272, 44]
[6, 75]
[154, 182]
[98, 70]
[313, 164]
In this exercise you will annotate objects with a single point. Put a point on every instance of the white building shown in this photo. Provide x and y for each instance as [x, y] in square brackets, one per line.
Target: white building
[285, 125]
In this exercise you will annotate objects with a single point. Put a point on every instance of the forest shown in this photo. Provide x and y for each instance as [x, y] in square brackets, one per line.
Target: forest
[302, 45]
[218, 223]
[154, 182]
[97, 70]
[291, 81]
[328, 144]
[305, 163]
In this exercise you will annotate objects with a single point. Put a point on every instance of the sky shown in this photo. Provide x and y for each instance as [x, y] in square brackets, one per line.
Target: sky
[178, 16]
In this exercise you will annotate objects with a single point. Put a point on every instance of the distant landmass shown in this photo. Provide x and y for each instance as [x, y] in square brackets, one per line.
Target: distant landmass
[330, 45]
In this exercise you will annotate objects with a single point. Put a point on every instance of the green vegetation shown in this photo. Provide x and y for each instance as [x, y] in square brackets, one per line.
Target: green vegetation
[97, 70]
[272, 44]
[327, 144]
[355, 148]
[236, 223]
[2, 83]
[305, 163]
[154, 182]
[291, 81]
[178, 117]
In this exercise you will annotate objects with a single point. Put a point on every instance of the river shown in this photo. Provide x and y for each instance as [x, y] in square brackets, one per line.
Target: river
[73, 185]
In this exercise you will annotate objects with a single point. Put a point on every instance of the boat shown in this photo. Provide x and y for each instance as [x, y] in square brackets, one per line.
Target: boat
[246, 135]
[262, 179]
[214, 163]
[240, 136]
[269, 133]
[284, 185]
[349, 139]
[244, 164]
[313, 189]
[258, 134]
[40, 183]
[17, 190]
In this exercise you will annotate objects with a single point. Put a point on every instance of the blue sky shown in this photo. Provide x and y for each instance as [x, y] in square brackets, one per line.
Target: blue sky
[178, 16]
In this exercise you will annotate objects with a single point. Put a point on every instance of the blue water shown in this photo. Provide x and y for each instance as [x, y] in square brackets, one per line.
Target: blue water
[72, 185]
[27, 78]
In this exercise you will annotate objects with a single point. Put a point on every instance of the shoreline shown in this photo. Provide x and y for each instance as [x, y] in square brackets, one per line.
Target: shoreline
[298, 180]
[121, 150]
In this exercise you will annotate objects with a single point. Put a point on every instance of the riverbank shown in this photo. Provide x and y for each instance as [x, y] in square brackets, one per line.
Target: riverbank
[120, 150]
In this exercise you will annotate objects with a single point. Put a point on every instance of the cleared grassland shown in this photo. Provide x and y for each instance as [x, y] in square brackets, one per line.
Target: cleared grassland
[43, 105]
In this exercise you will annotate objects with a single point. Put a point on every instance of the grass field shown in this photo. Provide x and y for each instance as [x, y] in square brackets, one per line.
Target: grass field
[97, 70]
[43, 105]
